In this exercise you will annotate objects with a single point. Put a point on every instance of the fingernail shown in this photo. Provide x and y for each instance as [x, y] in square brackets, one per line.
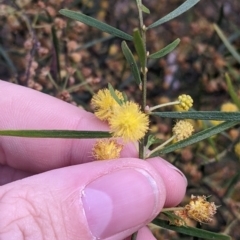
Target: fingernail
[155, 162]
[119, 201]
[173, 179]
[181, 173]
[177, 170]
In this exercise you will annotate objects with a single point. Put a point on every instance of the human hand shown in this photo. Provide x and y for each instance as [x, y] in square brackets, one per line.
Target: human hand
[52, 189]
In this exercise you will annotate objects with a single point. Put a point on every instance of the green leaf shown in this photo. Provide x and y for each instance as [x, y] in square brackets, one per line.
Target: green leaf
[201, 115]
[125, 96]
[228, 45]
[171, 216]
[197, 137]
[94, 42]
[232, 184]
[142, 7]
[231, 91]
[55, 134]
[131, 61]
[145, 9]
[175, 13]
[152, 140]
[165, 50]
[95, 23]
[113, 94]
[139, 46]
[196, 232]
[57, 51]
[9, 62]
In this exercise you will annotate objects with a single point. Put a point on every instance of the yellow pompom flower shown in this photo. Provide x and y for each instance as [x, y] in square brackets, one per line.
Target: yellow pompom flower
[182, 130]
[185, 102]
[103, 103]
[215, 122]
[229, 107]
[200, 209]
[226, 107]
[128, 122]
[105, 149]
[178, 108]
[237, 149]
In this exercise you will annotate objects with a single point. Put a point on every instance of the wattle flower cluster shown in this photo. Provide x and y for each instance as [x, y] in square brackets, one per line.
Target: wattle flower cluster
[125, 118]
[198, 209]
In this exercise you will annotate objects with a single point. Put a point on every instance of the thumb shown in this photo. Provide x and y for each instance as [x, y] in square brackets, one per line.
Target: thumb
[98, 200]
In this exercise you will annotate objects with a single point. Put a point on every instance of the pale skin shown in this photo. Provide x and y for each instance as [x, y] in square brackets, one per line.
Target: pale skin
[49, 187]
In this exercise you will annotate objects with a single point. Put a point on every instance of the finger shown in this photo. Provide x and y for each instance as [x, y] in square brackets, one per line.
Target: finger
[23, 108]
[174, 180]
[8, 174]
[102, 200]
[145, 234]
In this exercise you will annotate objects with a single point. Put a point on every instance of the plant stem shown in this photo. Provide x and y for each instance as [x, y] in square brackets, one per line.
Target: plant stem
[76, 87]
[164, 105]
[160, 146]
[144, 73]
[52, 81]
[172, 209]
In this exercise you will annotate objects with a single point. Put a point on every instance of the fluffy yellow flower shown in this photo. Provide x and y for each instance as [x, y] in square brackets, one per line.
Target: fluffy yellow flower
[226, 107]
[215, 122]
[105, 149]
[237, 149]
[200, 209]
[182, 130]
[229, 107]
[103, 103]
[128, 122]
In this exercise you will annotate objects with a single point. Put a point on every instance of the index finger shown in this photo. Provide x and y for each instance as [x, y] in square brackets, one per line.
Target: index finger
[24, 108]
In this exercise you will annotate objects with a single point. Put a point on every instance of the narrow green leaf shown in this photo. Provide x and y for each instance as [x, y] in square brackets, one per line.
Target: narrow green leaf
[145, 9]
[152, 140]
[201, 115]
[57, 51]
[95, 23]
[165, 50]
[55, 134]
[228, 45]
[94, 42]
[232, 184]
[171, 216]
[139, 46]
[197, 137]
[231, 91]
[196, 232]
[175, 13]
[113, 94]
[131, 61]
[125, 96]
[9, 62]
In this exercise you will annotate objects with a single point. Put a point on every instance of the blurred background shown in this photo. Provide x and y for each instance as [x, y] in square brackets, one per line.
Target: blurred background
[43, 50]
